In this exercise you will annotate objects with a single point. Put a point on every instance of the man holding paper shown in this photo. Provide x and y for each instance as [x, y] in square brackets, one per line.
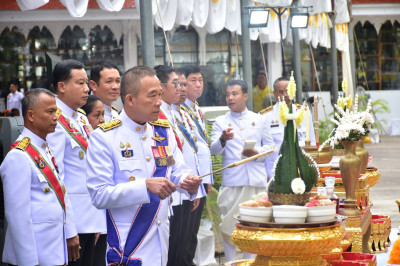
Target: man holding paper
[271, 114]
[238, 134]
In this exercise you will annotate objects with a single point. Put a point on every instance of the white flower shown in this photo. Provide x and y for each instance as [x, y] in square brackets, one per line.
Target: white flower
[298, 186]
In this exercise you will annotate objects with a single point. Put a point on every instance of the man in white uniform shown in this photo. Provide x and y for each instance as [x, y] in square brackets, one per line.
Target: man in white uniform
[14, 98]
[275, 126]
[134, 166]
[37, 207]
[69, 145]
[230, 133]
[105, 82]
[195, 87]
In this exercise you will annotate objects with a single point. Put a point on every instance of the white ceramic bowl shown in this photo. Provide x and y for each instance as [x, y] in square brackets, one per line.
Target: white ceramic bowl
[327, 210]
[289, 214]
[318, 219]
[255, 214]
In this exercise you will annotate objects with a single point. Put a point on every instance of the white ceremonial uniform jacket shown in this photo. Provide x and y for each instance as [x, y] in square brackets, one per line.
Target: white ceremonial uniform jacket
[246, 126]
[71, 159]
[110, 113]
[189, 153]
[14, 101]
[37, 225]
[277, 129]
[118, 183]
[203, 154]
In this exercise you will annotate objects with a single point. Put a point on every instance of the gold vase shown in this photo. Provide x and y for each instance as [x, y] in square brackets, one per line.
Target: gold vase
[362, 153]
[349, 166]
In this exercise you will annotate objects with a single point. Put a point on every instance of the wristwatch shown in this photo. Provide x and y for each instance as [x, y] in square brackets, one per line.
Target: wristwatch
[221, 139]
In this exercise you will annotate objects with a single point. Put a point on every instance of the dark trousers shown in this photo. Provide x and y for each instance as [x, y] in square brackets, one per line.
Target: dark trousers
[86, 242]
[99, 258]
[177, 231]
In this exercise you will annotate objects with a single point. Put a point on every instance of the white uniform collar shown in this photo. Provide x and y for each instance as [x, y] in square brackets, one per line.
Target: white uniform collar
[190, 103]
[132, 125]
[166, 106]
[237, 115]
[107, 108]
[66, 109]
[176, 108]
[36, 141]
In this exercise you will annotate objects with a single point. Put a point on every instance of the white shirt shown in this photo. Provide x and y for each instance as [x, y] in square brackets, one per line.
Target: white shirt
[71, 159]
[108, 180]
[110, 113]
[203, 153]
[14, 101]
[246, 125]
[36, 232]
[277, 129]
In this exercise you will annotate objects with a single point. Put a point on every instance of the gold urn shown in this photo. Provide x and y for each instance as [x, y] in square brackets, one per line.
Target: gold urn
[320, 157]
[288, 246]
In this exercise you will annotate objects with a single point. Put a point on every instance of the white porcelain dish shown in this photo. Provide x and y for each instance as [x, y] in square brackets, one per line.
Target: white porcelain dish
[289, 214]
[322, 210]
[316, 219]
[256, 214]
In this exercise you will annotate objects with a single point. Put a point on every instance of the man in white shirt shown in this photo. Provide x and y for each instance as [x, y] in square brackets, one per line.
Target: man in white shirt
[69, 143]
[105, 82]
[37, 207]
[134, 166]
[230, 133]
[195, 87]
[14, 98]
[275, 126]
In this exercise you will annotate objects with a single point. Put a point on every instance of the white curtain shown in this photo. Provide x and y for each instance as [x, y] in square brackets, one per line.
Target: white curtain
[167, 10]
[184, 12]
[111, 5]
[200, 13]
[233, 16]
[216, 16]
[76, 8]
[31, 4]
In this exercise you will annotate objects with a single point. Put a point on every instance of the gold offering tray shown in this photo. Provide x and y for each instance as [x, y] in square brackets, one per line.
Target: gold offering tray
[337, 219]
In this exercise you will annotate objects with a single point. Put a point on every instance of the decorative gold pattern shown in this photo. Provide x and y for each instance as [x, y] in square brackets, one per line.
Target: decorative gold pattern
[379, 240]
[288, 246]
[289, 199]
[359, 229]
[324, 156]
[110, 125]
[373, 176]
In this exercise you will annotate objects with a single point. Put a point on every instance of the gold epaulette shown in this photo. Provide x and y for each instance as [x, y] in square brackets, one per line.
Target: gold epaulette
[266, 110]
[81, 111]
[115, 108]
[58, 112]
[160, 122]
[298, 106]
[110, 125]
[196, 103]
[24, 143]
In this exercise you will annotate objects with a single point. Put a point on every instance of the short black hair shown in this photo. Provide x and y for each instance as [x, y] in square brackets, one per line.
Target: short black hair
[280, 79]
[190, 69]
[32, 97]
[62, 71]
[91, 101]
[241, 83]
[97, 68]
[131, 80]
[163, 72]
[15, 82]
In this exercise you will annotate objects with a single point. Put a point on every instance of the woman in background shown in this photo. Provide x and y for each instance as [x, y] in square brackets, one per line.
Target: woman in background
[94, 111]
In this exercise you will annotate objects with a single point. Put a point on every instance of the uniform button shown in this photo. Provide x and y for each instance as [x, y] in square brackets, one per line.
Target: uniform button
[138, 128]
[143, 137]
[159, 222]
[241, 129]
[148, 158]
[65, 221]
[132, 178]
[73, 114]
[240, 118]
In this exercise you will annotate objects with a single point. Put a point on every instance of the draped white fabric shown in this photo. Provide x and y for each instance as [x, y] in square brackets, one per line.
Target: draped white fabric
[233, 16]
[76, 8]
[184, 12]
[31, 4]
[111, 5]
[342, 15]
[200, 12]
[216, 16]
[167, 9]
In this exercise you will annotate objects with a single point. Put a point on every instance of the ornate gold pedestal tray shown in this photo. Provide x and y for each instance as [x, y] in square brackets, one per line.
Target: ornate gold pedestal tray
[288, 246]
[278, 225]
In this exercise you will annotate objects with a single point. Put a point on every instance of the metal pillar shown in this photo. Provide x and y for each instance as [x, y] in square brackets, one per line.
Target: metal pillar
[297, 60]
[246, 52]
[335, 83]
[352, 54]
[147, 33]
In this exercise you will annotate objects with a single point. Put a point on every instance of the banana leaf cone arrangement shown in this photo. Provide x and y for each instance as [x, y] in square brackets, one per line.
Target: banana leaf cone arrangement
[295, 172]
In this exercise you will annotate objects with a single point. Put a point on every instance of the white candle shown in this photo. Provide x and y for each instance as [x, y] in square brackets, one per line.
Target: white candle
[316, 123]
[307, 125]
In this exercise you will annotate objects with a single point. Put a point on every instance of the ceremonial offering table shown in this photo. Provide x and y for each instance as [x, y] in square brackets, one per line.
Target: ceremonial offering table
[359, 229]
[288, 244]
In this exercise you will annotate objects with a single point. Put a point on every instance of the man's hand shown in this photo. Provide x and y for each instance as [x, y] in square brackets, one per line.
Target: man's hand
[249, 152]
[191, 183]
[160, 186]
[73, 248]
[196, 204]
[226, 135]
